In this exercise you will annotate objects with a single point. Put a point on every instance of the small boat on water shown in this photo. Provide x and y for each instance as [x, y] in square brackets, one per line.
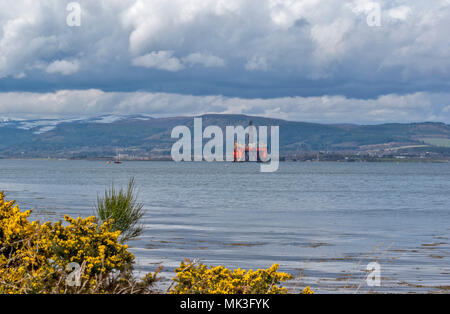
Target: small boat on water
[117, 158]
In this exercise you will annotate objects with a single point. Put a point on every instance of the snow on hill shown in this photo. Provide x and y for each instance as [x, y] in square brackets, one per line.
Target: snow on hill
[40, 126]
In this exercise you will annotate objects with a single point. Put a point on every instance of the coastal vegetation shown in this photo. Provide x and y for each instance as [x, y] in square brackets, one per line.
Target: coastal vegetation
[37, 258]
[122, 209]
[191, 278]
[88, 255]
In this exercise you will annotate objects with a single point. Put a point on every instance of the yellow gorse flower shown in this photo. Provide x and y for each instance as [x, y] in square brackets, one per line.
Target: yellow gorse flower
[33, 255]
[307, 290]
[193, 279]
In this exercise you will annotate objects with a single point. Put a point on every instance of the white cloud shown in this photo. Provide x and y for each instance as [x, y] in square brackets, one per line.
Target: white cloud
[294, 42]
[256, 63]
[302, 36]
[162, 60]
[415, 107]
[205, 59]
[400, 13]
[63, 67]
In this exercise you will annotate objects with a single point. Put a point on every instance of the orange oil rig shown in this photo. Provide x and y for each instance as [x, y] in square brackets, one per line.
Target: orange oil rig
[243, 152]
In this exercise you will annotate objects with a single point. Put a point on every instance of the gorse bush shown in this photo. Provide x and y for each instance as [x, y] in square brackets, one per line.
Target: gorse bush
[37, 258]
[34, 257]
[122, 209]
[194, 279]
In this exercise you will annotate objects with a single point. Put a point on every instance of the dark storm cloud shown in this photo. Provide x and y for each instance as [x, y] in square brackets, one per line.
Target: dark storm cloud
[240, 49]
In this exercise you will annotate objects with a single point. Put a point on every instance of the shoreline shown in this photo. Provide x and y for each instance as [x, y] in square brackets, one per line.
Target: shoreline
[375, 160]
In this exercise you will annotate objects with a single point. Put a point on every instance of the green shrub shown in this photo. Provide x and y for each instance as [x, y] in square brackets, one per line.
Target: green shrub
[122, 209]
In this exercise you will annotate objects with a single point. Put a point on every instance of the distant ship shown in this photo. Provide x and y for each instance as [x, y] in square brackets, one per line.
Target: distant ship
[117, 158]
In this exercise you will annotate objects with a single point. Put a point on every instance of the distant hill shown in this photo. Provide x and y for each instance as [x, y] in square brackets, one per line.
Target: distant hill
[141, 135]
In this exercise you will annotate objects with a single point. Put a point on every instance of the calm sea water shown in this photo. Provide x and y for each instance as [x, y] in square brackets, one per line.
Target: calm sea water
[323, 222]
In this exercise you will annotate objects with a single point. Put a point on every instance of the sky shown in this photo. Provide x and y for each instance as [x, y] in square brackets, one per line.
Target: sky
[327, 61]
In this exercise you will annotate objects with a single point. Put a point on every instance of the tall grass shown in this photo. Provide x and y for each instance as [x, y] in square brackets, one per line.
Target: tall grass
[121, 206]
